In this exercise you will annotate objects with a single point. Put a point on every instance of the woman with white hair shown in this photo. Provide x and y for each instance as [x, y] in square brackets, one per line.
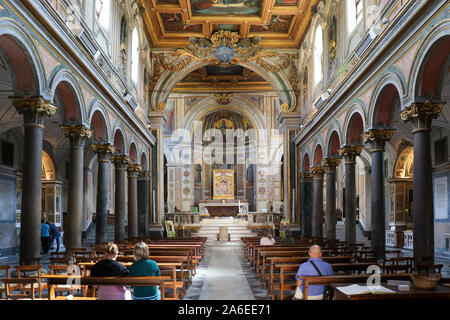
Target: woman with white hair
[143, 267]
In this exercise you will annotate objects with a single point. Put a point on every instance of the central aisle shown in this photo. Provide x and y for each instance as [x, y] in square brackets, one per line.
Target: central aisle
[224, 277]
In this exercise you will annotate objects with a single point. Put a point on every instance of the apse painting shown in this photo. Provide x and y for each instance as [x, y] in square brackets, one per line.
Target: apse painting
[223, 184]
[226, 7]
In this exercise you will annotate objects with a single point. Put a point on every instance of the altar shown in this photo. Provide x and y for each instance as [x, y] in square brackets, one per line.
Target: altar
[223, 208]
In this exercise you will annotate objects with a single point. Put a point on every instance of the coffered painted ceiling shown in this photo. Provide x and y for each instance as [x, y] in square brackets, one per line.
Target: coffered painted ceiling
[280, 23]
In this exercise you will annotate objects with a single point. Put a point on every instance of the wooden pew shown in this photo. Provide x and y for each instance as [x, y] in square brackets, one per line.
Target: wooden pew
[348, 279]
[273, 278]
[115, 281]
[288, 271]
[175, 282]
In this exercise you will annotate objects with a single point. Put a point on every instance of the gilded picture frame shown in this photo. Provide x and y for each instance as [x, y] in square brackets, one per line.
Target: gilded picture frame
[223, 184]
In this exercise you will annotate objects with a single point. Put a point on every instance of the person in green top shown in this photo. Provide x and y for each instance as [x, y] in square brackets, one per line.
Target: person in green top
[143, 267]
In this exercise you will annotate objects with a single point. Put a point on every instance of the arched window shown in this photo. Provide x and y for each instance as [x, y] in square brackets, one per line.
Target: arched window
[318, 51]
[103, 13]
[354, 14]
[134, 56]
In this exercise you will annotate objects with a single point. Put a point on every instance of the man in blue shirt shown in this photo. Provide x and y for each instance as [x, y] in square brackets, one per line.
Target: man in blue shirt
[45, 235]
[315, 292]
[55, 235]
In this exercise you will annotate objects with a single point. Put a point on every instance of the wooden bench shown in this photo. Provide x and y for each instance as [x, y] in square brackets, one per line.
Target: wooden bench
[14, 283]
[174, 270]
[288, 272]
[273, 278]
[105, 281]
[325, 280]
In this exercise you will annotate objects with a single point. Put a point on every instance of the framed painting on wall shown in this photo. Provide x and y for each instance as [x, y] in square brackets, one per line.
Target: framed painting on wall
[223, 184]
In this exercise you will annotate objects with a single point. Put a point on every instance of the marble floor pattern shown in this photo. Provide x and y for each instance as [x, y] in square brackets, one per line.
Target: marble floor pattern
[225, 274]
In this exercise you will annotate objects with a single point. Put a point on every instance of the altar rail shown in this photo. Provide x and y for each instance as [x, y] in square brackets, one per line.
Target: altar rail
[261, 218]
[252, 218]
[407, 239]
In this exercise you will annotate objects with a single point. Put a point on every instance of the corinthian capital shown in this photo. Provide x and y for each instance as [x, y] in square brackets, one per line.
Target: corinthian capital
[421, 114]
[120, 160]
[378, 138]
[33, 109]
[330, 164]
[318, 171]
[104, 148]
[133, 169]
[349, 153]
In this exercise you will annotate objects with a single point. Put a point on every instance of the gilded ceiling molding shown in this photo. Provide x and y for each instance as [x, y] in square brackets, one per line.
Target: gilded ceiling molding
[223, 98]
[225, 48]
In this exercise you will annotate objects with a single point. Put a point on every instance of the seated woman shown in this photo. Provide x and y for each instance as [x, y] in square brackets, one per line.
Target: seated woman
[109, 267]
[267, 240]
[143, 267]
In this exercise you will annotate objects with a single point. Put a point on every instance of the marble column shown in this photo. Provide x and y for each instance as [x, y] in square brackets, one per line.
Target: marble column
[306, 198]
[377, 139]
[317, 215]
[33, 109]
[120, 199]
[132, 200]
[77, 136]
[330, 165]
[103, 153]
[349, 153]
[421, 114]
[143, 202]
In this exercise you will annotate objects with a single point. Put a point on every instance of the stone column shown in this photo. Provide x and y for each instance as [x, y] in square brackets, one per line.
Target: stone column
[377, 138]
[120, 205]
[421, 115]
[33, 110]
[349, 153]
[143, 202]
[306, 198]
[132, 200]
[103, 153]
[317, 216]
[77, 136]
[330, 165]
[158, 119]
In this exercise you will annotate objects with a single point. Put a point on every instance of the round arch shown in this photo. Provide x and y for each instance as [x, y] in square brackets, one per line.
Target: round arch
[21, 50]
[318, 154]
[169, 79]
[70, 94]
[144, 160]
[133, 151]
[119, 141]
[306, 163]
[349, 123]
[99, 125]
[383, 96]
[436, 36]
